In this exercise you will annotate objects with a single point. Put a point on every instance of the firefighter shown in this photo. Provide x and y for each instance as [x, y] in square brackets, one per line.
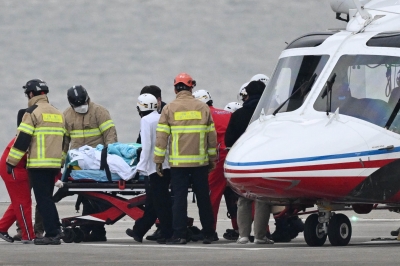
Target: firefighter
[88, 123]
[216, 178]
[41, 132]
[187, 127]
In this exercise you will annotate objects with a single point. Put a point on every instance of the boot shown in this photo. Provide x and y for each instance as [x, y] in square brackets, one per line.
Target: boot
[395, 232]
[18, 236]
[296, 226]
[156, 235]
[281, 233]
[231, 234]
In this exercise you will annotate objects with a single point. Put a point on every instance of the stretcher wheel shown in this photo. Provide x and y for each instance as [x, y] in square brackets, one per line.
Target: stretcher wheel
[69, 235]
[339, 230]
[313, 234]
[79, 235]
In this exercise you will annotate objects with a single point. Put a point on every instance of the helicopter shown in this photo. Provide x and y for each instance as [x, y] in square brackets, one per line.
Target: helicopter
[326, 131]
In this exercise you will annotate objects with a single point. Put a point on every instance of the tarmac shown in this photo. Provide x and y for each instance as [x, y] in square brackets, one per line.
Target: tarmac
[120, 249]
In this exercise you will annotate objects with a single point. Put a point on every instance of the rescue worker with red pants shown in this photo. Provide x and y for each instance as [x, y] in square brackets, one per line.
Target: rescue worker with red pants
[19, 190]
[158, 199]
[186, 126]
[88, 123]
[216, 178]
[41, 132]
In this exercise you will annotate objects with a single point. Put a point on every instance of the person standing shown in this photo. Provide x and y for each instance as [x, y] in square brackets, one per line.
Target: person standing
[158, 199]
[216, 178]
[88, 123]
[19, 190]
[41, 132]
[236, 127]
[187, 127]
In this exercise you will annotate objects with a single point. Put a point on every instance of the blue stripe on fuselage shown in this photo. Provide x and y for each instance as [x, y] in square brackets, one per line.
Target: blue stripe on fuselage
[316, 158]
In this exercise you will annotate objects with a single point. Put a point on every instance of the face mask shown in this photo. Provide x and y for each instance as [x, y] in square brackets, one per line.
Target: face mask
[82, 109]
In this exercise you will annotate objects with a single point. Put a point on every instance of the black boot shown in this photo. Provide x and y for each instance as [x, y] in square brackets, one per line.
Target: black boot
[156, 235]
[281, 233]
[296, 226]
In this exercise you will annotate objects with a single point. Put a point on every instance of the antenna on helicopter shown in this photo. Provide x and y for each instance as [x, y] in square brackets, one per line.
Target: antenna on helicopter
[349, 7]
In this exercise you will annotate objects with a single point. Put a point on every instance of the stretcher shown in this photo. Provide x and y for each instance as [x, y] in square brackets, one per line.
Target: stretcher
[117, 200]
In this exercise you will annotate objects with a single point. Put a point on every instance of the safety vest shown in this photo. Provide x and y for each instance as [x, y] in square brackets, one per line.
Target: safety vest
[92, 128]
[41, 134]
[187, 127]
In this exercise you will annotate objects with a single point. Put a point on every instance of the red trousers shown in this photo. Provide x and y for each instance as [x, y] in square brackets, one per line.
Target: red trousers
[19, 190]
[20, 208]
[217, 184]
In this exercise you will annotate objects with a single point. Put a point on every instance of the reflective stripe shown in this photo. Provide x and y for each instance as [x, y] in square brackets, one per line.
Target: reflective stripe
[159, 152]
[212, 151]
[44, 162]
[211, 128]
[79, 133]
[189, 129]
[49, 130]
[40, 145]
[15, 153]
[106, 125]
[176, 160]
[163, 128]
[28, 129]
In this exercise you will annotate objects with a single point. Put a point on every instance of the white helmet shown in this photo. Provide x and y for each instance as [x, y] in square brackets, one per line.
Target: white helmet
[232, 106]
[260, 77]
[202, 95]
[146, 102]
[242, 92]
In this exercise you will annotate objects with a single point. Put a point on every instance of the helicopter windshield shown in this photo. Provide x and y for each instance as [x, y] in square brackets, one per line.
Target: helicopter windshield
[290, 77]
[366, 87]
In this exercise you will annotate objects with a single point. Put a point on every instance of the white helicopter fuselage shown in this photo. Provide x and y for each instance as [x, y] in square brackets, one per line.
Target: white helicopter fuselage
[329, 141]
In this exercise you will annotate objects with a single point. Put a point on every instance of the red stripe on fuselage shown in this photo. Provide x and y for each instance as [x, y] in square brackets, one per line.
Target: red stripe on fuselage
[317, 167]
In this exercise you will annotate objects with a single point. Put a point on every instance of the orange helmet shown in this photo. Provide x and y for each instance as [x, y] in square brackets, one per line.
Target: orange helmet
[185, 79]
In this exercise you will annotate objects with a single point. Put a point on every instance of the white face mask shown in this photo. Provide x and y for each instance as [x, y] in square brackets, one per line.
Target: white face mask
[82, 109]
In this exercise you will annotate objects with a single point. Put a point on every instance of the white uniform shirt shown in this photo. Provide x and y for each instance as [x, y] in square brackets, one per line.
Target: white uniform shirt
[148, 126]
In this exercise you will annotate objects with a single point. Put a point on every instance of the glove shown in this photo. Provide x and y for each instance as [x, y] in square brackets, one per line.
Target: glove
[10, 168]
[159, 169]
[59, 184]
[211, 166]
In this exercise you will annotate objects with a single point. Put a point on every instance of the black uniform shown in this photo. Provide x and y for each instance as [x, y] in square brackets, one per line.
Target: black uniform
[240, 120]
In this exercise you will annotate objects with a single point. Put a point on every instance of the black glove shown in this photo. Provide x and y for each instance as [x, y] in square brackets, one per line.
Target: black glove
[10, 168]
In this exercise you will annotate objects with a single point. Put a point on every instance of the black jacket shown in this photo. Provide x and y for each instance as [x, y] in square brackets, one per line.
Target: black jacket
[240, 119]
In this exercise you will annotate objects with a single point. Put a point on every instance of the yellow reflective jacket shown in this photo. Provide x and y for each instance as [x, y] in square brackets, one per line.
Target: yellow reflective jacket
[92, 128]
[41, 134]
[186, 125]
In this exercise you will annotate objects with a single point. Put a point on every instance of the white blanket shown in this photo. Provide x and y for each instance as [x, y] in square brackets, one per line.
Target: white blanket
[88, 158]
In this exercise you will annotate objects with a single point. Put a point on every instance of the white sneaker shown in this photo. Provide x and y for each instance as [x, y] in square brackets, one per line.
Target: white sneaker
[265, 240]
[243, 240]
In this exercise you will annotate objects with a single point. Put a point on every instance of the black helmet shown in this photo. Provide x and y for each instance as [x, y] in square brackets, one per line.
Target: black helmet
[37, 86]
[77, 95]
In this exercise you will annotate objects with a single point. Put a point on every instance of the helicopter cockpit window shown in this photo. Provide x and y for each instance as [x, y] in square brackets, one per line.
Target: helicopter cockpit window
[291, 79]
[366, 87]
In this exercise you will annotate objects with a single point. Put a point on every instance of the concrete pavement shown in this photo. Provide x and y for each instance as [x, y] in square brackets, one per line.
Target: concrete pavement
[122, 250]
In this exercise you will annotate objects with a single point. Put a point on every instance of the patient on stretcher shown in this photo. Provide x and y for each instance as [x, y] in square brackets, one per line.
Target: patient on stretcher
[89, 164]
